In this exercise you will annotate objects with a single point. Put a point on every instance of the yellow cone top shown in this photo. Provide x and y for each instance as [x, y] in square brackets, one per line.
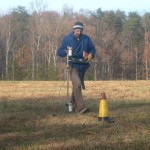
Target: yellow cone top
[102, 95]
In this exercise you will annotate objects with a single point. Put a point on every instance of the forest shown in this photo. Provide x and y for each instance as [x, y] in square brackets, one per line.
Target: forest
[29, 41]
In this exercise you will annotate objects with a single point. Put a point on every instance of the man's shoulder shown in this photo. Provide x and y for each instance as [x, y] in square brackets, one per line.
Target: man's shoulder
[68, 35]
[85, 36]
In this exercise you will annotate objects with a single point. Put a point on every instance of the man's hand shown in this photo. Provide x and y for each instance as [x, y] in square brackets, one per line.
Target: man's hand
[88, 58]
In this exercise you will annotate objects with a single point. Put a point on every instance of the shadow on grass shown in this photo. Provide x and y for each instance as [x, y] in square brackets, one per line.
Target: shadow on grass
[116, 105]
[38, 105]
[128, 104]
[18, 127]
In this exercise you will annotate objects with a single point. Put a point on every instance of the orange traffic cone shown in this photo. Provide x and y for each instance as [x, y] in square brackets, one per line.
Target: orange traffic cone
[103, 110]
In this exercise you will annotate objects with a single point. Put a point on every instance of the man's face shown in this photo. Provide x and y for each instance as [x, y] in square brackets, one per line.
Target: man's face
[77, 32]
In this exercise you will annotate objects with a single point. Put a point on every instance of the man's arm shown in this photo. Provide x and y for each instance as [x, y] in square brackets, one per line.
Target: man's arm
[62, 50]
[91, 48]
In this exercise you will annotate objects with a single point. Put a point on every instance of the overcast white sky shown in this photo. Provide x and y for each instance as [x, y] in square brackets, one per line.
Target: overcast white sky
[140, 6]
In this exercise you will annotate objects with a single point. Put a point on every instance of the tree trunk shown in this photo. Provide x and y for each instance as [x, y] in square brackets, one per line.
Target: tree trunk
[147, 73]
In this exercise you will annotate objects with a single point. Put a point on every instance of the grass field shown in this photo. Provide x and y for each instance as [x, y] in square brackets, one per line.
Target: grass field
[33, 116]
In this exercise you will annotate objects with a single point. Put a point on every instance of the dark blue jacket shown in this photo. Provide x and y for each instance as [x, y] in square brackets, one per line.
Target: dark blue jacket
[84, 43]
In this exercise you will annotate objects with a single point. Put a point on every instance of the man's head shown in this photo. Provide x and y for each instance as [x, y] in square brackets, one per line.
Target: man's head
[77, 28]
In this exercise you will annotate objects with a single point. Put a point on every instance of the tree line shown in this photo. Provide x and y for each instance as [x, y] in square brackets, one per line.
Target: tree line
[29, 43]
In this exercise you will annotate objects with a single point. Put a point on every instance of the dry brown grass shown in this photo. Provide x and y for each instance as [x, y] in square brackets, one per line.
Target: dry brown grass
[33, 116]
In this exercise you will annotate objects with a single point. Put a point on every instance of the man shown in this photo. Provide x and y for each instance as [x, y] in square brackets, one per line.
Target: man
[83, 51]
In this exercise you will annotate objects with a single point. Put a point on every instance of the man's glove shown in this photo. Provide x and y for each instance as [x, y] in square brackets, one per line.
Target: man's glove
[88, 58]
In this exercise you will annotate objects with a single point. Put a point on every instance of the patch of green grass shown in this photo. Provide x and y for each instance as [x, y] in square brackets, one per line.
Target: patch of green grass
[43, 123]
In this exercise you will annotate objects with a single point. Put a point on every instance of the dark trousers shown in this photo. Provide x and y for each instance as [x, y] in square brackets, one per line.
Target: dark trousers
[77, 78]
